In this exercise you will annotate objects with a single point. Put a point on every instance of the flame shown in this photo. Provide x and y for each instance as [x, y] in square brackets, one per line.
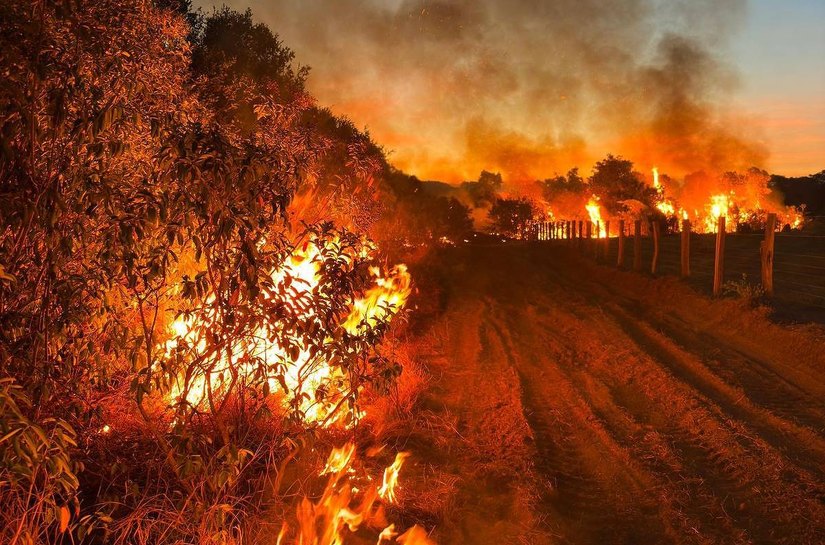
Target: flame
[380, 302]
[717, 208]
[304, 375]
[342, 509]
[387, 534]
[595, 216]
[666, 208]
[339, 459]
[387, 490]
[738, 197]
[415, 536]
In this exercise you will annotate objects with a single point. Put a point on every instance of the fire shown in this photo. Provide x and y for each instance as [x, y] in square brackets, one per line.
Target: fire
[339, 459]
[415, 536]
[656, 179]
[387, 534]
[381, 302]
[387, 490]
[717, 208]
[595, 216]
[304, 374]
[343, 508]
[666, 208]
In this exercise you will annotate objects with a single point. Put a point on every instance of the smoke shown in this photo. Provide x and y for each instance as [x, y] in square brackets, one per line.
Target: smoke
[527, 88]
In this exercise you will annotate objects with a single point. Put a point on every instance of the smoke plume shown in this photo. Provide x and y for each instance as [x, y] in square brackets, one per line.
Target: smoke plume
[527, 88]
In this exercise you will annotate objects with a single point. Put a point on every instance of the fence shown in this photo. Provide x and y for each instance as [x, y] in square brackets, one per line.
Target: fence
[789, 265]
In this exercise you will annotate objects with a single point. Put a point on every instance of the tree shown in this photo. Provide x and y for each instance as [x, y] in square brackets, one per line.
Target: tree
[414, 215]
[231, 42]
[485, 190]
[554, 188]
[614, 181]
[511, 217]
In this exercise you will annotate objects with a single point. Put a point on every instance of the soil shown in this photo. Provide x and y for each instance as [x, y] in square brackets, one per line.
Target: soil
[575, 403]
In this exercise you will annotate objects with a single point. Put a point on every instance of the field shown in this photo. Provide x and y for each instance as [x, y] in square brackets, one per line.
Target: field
[574, 403]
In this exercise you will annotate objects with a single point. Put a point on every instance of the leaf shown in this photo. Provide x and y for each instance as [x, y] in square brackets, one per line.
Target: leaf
[6, 276]
[64, 518]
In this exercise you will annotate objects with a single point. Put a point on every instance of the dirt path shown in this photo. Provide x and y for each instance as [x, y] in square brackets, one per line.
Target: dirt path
[594, 406]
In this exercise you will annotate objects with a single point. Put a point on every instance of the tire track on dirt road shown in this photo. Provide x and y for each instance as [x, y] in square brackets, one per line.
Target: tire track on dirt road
[650, 431]
[787, 416]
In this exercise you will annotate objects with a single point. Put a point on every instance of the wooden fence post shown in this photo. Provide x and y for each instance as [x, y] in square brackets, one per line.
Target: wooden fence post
[581, 234]
[685, 248]
[767, 255]
[620, 257]
[595, 244]
[637, 245]
[606, 240]
[719, 261]
[656, 228]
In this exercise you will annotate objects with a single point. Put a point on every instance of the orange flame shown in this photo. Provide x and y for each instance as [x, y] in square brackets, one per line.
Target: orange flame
[387, 490]
[596, 216]
[304, 374]
[339, 459]
[337, 511]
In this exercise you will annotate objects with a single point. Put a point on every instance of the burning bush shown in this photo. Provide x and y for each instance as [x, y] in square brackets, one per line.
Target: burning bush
[156, 307]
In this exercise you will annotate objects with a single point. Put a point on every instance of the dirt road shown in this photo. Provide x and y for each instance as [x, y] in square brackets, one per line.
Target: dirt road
[595, 406]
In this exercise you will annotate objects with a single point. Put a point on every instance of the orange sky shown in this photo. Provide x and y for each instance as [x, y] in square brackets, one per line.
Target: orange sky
[534, 87]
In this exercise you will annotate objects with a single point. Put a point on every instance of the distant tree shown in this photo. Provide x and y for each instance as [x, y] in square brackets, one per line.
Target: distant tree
[415, 215]
[485, 190]
[511, 217]
[614, 181]
[807, 191]
[553, 188]
[451, 218]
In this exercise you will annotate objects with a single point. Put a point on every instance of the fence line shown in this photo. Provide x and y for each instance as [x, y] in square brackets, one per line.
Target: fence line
[789, 266]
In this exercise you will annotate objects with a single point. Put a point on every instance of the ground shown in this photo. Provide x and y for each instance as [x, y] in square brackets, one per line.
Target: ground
[573, 403]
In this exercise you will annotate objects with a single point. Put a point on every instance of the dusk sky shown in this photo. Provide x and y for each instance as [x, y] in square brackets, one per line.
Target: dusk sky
[530, 88]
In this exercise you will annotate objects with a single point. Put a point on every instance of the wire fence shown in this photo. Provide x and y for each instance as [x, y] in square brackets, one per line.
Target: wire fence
[797, 265]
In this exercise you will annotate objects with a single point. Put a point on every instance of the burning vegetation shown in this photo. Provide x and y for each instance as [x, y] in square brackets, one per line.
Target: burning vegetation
[204, 282]
[190, 299]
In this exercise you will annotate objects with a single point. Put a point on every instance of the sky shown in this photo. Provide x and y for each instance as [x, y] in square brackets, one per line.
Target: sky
[531, 88]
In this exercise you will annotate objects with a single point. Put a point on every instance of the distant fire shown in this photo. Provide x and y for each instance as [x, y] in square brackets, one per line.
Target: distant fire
[596, 216]
[700, 198]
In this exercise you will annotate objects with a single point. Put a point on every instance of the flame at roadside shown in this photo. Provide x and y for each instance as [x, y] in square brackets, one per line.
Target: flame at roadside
[343, 507]
[304, 375]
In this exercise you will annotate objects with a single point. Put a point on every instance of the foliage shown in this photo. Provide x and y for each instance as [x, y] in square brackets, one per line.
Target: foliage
[804, 191]
[38, 482]
[138, 184]
[485, 190]
[554, 188]
[512, 217]
[415, 216]
[744, 290]
[614, 181]
[231, 42]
